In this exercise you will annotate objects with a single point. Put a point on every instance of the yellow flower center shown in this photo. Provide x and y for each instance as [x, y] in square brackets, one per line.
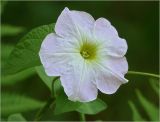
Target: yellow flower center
[88, 51]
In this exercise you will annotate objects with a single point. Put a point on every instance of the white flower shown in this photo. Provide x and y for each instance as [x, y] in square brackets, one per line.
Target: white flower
[87, 55]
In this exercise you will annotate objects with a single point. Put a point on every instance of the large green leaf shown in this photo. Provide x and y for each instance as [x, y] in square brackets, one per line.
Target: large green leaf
[64, 105]
[14, 103]
[14, 78]
[16, 117]
[10, 30]
[25, 53]
[150, 108]
[92, 107]
[136, 115]
[5, 51]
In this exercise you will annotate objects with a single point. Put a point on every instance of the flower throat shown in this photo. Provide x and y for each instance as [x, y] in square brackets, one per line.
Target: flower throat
[88, 51]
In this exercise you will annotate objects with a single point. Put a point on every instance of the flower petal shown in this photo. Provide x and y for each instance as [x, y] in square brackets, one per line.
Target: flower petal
[54, 44]
[118, 65]
[103, 28]
[72, 23]
[107, 81]
[83, 20]
[56, 64]
[108, 36]
[55, 54]
[78, 83]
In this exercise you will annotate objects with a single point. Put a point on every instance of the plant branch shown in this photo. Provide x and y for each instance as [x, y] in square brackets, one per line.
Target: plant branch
[52, 91]
[44, 109]
[143, 74]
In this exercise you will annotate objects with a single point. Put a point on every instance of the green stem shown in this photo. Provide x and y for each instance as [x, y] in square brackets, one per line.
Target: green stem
[143, 74]
[44, 109]
[49, 103]
[52, 91]
[82, 117]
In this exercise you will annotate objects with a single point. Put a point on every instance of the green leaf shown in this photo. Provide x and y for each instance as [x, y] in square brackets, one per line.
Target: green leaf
[25, 54]
[16, 117]
[92, 107]
[14, 103]
[136, 115]
[5, 51]
[150, 108]
[20, 76]
[155, 85]
[12, 79]
[64, 105]
[10, 30]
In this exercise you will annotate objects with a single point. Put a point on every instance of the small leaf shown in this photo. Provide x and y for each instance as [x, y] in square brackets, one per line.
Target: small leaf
[16, 117]
[64, 105]
[25, 54]
[10, 30]
[136, 115]
[92, 107]
[150, 108]
[14, 103]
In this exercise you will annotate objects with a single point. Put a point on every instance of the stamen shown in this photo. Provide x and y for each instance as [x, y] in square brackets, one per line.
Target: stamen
[85, 54]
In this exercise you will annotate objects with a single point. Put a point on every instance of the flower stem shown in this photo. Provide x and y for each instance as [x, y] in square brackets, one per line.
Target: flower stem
[144, 74]
[44, 109]
[82, 117]
[48, 103]
[52, 91]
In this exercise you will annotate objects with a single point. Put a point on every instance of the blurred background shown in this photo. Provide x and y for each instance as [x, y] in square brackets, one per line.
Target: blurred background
[137, 22]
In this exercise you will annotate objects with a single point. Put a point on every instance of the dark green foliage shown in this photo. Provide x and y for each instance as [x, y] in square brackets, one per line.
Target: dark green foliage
[25, 54]
[14, 103]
